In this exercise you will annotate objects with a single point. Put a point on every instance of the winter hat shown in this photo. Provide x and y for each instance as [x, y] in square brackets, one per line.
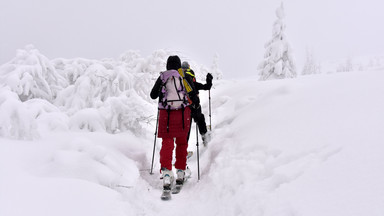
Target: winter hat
[185, 65]
[173, 62]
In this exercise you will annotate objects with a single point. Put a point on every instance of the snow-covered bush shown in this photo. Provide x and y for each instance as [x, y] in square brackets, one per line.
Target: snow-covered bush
[32, 75]
[126, 112]
[278, 62]
[88, 119]
[16, 118]
[71, 69]
[93, 88]
[78, 94]
[156, 62]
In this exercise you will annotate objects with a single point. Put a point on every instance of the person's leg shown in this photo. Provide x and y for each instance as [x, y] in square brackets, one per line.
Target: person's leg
[166, 153]
[200, 120]
[181, 153]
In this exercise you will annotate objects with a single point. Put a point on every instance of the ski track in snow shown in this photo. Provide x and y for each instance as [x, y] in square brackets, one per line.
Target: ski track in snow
[255, 167]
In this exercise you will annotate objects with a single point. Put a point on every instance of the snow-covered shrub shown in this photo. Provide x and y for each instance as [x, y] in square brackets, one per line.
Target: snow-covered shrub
[32, 75]
[87, 119]
[92, 88]
[278, 62]
[16, 119]
[71, 69]
[79, 94]
[48, 117]
[132, 61]
[117, 90]
[156, 62]
[127, 112]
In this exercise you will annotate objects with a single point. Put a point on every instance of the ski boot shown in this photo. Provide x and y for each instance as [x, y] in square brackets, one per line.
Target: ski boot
[167, 176]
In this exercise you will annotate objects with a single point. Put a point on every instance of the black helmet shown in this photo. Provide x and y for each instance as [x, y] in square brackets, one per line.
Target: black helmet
[185, 65]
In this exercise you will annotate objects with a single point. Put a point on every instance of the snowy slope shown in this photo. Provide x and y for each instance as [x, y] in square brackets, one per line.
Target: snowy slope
[305, 146]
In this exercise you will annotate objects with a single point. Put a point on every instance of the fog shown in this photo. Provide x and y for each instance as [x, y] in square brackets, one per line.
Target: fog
[236, 30]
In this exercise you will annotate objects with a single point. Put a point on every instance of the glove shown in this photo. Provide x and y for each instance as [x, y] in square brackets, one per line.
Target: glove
[209, 78]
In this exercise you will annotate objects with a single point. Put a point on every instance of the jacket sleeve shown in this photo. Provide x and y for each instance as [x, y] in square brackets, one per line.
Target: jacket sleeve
[155, 93]
[200, 86]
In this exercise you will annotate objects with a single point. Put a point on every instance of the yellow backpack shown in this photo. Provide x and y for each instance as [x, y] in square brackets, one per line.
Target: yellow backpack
[186, 83]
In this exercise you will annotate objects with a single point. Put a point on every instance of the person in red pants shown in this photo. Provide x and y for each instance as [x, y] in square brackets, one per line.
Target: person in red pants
[175, 95]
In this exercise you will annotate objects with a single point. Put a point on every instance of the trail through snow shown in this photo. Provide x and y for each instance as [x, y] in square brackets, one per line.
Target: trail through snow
[306, 146]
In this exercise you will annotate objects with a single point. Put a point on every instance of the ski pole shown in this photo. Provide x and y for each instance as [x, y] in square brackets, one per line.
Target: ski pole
[210, 119]
[197, 144]
[154, 143]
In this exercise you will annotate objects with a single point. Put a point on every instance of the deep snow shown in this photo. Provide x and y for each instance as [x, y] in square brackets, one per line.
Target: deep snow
[306, 146]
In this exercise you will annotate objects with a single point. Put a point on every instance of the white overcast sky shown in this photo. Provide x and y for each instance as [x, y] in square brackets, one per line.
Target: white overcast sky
[236, 30]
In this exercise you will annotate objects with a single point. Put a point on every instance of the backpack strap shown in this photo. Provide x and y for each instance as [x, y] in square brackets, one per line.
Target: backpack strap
[182, 115]
[189, 72]
[168, 112]
[177, 90]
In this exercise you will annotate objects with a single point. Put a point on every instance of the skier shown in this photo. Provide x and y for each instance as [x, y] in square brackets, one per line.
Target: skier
[174, 120]
[197, 114]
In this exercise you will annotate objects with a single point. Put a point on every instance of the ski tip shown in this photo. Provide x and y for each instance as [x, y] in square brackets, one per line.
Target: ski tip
[176, 190]
[165, 198]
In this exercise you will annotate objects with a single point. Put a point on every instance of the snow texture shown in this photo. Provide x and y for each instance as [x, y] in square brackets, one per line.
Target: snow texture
[82, 143]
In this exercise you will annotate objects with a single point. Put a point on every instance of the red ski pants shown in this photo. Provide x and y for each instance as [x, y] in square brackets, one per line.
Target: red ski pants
[166, 153]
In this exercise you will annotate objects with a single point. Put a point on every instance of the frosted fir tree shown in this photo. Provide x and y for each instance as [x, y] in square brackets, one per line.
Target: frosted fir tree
[347, 66]
[278, 60]
[310, 65]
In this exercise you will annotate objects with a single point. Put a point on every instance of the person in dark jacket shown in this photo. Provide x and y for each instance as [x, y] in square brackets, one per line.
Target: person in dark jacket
[173, 126]
[197, 114]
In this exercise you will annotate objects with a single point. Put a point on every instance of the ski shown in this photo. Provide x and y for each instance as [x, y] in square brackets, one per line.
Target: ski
[166, 195]
[179, 184]
[177, 188]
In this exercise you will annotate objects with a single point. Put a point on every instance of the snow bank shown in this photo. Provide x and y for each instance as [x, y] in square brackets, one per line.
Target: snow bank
[310, 146]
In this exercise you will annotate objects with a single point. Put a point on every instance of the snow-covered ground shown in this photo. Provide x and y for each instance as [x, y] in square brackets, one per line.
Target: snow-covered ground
[306, 146]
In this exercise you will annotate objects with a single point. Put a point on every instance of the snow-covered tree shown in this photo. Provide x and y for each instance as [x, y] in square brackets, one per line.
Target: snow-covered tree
[346, 66]
[278, 62]
[216, 72]
[310, 65]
